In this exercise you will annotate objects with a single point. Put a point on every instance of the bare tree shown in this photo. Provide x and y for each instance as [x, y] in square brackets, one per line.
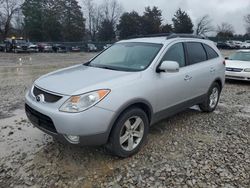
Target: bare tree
[94, 16]
[112, 11]
[109, 10]
[225, 30]
[204, 26]
[247, 21]
[225, 27]
[8, 9]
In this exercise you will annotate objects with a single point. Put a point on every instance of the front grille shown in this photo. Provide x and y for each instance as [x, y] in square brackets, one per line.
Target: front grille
[48, 97]
[237, 77]
[39, 119]
[24, 47]
[233, 69]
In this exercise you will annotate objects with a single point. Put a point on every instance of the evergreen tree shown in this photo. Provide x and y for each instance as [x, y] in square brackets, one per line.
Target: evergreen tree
[151, 20]
[33, 19]
[129, 25]
[106, 31]
[73, 23]
[167, 28]
[53, 20]
[182, 22]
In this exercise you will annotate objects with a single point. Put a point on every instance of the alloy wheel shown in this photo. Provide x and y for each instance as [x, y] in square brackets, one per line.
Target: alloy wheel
[131, 133]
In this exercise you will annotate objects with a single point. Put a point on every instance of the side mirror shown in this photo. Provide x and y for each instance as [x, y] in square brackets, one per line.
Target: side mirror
[226, 58]
[168, 66]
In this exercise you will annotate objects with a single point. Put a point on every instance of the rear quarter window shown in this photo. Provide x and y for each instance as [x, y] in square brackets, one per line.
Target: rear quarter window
[195, 52]
[211, 53]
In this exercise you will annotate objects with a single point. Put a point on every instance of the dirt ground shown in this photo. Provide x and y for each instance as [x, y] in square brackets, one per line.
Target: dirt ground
[191, 149]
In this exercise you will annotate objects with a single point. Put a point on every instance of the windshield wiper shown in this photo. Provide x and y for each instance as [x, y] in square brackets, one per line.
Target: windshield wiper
[107, 67]
[100, 66]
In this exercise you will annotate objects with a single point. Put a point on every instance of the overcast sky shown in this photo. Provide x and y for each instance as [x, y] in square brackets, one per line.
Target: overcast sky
[231, 11]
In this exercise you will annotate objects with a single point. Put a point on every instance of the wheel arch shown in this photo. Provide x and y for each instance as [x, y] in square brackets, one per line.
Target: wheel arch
[218, 81]
[139, 103]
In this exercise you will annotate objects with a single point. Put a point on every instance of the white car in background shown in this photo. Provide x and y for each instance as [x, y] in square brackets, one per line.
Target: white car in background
[246, 44]
[32, 47]
[238, 65]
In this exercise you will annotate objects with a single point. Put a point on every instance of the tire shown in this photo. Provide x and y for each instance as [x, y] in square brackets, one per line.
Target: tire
[212, 98]
[125, 140]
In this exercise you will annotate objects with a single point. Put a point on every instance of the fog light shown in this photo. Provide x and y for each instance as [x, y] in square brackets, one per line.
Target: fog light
[73, 139]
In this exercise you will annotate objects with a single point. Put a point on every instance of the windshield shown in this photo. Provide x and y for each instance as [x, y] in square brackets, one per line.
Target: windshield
[19, 41]
[127, 56]
[240, 56]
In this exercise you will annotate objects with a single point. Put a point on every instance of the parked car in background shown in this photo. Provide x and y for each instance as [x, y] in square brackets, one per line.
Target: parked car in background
[48, 48]
[59, 48]
[32, 47]
[238, 66]
[75, 49]
[236, 44]
[2, 47]
[107, 46]
[91, 48]
[44, 47]
[16, 45]
[116, 96]
[224, 45]
[246, 44]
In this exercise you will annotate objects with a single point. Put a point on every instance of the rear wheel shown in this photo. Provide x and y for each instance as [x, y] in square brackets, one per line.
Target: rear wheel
[212, 98]
[129, 133]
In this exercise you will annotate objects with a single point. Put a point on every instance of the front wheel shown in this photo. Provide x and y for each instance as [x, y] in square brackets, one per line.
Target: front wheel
[129, 133]
[212, 98]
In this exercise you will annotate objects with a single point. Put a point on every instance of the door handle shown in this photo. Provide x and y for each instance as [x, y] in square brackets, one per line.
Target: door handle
[212, 70]
[187, 78]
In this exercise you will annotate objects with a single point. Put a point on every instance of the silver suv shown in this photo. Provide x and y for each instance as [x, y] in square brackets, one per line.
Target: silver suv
[114, 98]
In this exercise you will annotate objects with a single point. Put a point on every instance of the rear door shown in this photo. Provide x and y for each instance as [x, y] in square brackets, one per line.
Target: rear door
[201, 68]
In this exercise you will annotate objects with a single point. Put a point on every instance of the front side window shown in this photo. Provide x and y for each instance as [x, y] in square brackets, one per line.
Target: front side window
[175, 53]
[196, 52]
[131, 56]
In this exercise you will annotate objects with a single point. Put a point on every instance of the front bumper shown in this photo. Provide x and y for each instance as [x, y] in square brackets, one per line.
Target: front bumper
[32, 50]
[238, 75]
[92, 126]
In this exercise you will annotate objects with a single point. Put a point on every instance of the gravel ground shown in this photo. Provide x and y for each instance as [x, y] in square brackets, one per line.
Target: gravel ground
[191, 149]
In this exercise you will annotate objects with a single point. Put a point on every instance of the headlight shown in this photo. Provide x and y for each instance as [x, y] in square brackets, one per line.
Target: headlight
[80, 103]
[247, 70]
[18, 47]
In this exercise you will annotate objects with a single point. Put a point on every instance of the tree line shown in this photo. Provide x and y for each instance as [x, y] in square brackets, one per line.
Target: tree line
[67, 20]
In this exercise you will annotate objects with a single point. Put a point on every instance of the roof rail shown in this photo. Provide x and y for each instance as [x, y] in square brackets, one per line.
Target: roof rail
[184, 35]
[150, 35]
[168, 36]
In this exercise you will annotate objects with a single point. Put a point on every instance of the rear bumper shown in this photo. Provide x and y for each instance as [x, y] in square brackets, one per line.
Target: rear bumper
[238, 75]
[92, 126]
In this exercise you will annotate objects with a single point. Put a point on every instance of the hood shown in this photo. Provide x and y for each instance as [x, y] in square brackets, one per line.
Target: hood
[237, 64]
[80, 79]
[32, 46]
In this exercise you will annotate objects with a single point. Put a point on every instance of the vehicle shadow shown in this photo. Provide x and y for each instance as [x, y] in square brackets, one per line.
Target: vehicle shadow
[90, 163]
[238, 82]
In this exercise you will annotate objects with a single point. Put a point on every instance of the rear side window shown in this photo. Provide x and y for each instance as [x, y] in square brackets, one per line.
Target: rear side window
[211, 53]
[175, 53]
[195, 52]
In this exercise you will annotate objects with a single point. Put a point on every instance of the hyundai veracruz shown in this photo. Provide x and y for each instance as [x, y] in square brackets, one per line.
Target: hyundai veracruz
[114, 98]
